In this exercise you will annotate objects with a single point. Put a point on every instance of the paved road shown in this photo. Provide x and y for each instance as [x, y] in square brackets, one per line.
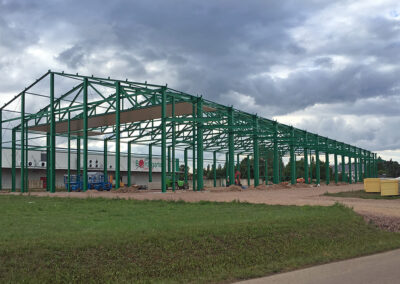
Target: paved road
[379, 268]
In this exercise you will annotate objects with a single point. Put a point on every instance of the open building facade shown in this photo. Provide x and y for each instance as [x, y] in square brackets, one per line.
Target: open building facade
[72, 112]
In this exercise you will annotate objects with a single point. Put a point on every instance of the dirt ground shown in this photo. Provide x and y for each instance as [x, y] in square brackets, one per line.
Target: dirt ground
[383, 213]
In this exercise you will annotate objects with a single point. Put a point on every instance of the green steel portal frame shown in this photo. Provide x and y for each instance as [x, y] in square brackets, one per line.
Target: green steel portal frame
[158, 116]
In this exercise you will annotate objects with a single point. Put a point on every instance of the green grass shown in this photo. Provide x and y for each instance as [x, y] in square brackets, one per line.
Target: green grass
[360, 194]
[51, 240]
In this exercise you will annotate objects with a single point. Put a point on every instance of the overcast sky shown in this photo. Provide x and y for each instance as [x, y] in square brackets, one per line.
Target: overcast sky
[330, 67]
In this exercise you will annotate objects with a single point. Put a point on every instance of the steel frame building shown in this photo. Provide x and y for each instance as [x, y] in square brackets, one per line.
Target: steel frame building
[158, 116]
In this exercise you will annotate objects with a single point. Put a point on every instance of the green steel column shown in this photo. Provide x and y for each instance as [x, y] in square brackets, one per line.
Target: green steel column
[355, 170]
[248, 169]
[22, 142]
[13, 159]
[105, 169]
[163, 139]
[215, 168]
[256, 167]
[266, 170]
[47, 161]
[194, 145]
[343, 169]
[365, 164]
[173, 146]
[129, 163]
[328, 178]
[350, 171]
[238, 162]
[69, 153]
[52, 137]
[336, 168]
[200, 157]
[227, 168]
[186, 165]
[231, 145]
[360, 176]
[371, 165]
[276, 157]
[117, 134]
[169, 160]
[375, 166]
[292, 158]
[151, 163]
[85, 134]
[317, 167]
[336, 164]
[78, 156]
[26, 155]
[1, 148]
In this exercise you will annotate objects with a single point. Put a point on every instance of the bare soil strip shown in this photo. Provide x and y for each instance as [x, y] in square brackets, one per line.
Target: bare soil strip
[384, 213]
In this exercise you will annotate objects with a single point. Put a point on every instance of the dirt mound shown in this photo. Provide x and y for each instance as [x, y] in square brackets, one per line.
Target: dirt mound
[301, 185]
[391, 224]
[126, 189]
[279, 186]
[234, 188]
[262, 187]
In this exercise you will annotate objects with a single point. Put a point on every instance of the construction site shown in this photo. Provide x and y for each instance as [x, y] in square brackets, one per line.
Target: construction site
[88, 126]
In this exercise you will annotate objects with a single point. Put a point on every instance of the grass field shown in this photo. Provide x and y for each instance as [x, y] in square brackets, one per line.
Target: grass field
[360, 194]
[103, 240]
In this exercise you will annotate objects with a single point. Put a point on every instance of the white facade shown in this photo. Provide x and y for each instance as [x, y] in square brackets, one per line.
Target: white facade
[37, 167]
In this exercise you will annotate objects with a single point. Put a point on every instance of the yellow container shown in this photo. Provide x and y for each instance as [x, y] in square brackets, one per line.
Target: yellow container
[372, 185]
[389, 187]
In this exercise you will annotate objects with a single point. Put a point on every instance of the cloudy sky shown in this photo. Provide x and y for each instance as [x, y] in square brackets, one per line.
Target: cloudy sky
[330, 67]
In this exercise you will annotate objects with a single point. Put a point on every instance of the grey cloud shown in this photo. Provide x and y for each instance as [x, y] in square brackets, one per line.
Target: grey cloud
[72, 57]
[213, 48]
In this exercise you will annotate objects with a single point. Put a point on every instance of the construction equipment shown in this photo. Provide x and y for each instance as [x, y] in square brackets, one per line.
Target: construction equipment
[96, 180]
[179, 184]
